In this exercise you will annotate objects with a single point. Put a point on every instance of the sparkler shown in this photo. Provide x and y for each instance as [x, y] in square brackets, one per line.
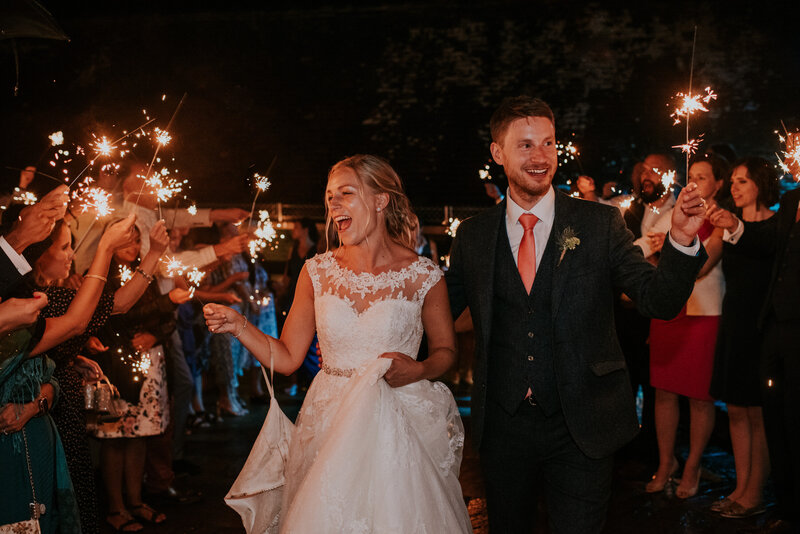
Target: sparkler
[192, 276]
[264, 234]
[56, 138]
[484, 173]
[689, 105]
[452, 226]
[125, 274]
[192, 209]
[790, 158]
[24, 197]
[262, 183]
[93, 198]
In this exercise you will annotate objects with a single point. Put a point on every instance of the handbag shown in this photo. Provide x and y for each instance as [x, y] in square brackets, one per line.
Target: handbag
[258, 490]
[30, 526]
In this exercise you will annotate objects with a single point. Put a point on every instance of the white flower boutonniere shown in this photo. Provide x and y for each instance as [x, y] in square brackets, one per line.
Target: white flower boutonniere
[568, 240]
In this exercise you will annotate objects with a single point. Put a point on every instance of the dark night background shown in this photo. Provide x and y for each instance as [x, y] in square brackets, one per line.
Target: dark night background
[414, 82]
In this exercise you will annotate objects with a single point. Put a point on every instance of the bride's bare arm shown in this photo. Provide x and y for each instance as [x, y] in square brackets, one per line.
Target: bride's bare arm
[298, 331]
[438, 323]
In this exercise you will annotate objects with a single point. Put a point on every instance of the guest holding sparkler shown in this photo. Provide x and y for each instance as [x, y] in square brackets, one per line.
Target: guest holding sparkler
[754, 188]
[135, 364]
[22, 227]
[79, 314]
[682, 349]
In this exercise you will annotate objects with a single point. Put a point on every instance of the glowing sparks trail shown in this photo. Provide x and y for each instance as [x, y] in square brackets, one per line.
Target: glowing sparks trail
[569, 152]
[262, 182]
[163, 185]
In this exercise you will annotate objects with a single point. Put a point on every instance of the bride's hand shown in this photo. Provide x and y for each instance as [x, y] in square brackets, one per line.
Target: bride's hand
[221, 319]
[404, 370]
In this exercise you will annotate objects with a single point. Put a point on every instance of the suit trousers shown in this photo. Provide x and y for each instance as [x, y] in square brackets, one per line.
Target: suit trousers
[527, 454]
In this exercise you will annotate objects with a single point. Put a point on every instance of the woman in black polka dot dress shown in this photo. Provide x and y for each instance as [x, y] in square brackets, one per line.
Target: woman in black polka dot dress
[90, 309]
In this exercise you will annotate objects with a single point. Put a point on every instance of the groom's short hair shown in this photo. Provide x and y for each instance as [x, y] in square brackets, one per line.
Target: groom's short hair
[517, 107]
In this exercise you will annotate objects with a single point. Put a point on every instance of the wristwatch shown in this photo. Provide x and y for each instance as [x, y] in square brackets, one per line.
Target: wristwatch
[44, 406]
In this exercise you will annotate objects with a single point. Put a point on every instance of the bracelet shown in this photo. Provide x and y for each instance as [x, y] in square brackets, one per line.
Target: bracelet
[101, 278]
[244, 324]
[43, 404]
[148, 277]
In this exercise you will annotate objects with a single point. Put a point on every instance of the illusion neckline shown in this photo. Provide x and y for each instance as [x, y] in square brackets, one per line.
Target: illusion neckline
[338, 265]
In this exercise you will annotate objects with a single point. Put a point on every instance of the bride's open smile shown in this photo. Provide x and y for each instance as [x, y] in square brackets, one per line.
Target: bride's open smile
[351, 209]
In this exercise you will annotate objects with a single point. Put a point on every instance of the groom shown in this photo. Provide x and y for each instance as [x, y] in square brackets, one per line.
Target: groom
[552, 399]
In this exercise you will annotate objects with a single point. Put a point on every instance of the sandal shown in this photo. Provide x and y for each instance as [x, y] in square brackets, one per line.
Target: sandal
[127, 524]
[147, 513]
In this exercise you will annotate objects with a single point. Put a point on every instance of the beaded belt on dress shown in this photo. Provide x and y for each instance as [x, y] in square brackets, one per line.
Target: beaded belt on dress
[337, 372]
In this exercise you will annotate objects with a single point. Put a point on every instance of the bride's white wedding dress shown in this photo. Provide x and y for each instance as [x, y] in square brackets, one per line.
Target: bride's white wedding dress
[366, 457]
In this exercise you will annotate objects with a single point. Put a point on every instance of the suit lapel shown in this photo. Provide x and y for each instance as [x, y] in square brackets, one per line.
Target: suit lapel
[564, 217]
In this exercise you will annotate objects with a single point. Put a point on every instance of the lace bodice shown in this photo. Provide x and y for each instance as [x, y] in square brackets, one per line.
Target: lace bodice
[362, 315]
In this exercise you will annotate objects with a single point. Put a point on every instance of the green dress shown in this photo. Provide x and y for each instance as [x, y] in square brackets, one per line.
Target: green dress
[21, 378]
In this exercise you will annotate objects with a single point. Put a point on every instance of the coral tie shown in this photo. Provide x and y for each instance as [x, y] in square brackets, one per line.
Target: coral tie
[526, 260]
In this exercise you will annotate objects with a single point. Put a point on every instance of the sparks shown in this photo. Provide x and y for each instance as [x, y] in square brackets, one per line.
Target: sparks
[103, 147]
[625, 204]
[94, 198]
[56, 138]
[24, 197]
[192, 209]
[162, 137]
[174, 267]
[262, 182]
[125, 273]
[194, 276]
[691, 146]
[264, 233]
[690, 104]
[667, 179]
[452, 226]
[484, 173]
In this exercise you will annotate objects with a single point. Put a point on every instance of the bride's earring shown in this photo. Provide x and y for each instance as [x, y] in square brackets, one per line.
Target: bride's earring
[378, 209]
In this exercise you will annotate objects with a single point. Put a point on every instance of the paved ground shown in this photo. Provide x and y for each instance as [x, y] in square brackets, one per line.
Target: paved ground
[221, 451]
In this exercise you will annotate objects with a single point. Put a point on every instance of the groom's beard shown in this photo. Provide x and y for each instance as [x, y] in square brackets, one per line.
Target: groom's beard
[648, 197]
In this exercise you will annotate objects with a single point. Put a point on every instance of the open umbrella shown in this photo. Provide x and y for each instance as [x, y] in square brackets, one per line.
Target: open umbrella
[27, 18]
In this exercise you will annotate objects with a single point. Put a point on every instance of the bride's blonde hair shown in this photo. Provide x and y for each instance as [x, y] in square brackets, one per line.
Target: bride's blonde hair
[376, 174]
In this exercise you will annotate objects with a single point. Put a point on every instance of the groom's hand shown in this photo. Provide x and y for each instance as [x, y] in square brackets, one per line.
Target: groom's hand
[688, 215]
[404, 370]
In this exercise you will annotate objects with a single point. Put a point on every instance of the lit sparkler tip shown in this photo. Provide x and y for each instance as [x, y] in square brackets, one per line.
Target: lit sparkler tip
[24, 197]
[56, 138]
[162, 136]
[262, 182]
[125, 274]
[174, 267]
[192, 209]
[103, 147]
[452, 226]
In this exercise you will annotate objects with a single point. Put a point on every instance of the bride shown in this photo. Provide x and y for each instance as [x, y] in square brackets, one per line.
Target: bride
[377, 446]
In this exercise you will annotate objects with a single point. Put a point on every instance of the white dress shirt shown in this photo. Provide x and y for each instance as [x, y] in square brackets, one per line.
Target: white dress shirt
[18, 260]
[658, 221]
[544, 210]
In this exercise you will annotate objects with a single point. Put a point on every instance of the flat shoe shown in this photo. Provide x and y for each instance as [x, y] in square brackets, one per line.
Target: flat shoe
[737, 511]
[721, 505]
[127, 524]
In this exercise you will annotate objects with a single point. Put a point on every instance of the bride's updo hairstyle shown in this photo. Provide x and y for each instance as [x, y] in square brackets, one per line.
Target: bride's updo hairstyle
[376, 174]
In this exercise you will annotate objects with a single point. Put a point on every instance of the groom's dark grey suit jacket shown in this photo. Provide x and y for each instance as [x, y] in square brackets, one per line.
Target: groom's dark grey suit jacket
[562, 341]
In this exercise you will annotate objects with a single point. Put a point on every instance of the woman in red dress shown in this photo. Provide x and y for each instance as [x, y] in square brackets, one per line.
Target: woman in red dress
[682, 350]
